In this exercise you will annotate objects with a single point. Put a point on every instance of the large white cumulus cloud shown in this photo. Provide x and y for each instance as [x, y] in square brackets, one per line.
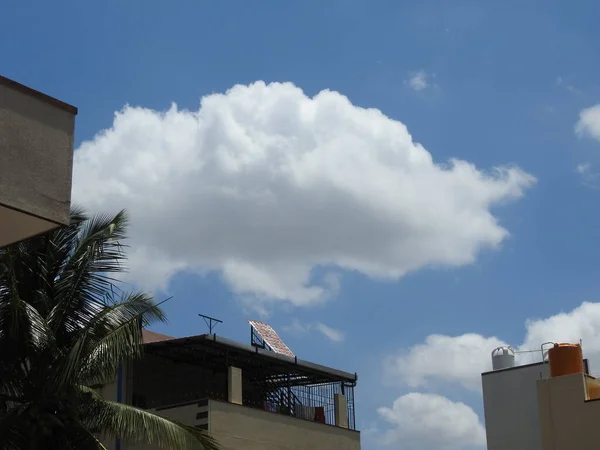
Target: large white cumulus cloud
[264, 184]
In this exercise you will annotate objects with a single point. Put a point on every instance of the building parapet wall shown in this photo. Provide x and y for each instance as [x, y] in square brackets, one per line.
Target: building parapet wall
[568, 420]
[238, 427]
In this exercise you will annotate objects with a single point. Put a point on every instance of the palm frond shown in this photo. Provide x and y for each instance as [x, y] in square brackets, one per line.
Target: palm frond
[112, 338]
[134, 425]
[83, 283]
[64, 323]
[78, 437]
[12, 433]
[117, 336]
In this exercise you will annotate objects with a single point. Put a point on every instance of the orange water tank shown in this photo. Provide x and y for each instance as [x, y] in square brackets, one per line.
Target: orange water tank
[593, 387]
[565, 359]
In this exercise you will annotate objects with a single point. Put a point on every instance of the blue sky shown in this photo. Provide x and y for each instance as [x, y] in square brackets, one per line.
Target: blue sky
[489, 83]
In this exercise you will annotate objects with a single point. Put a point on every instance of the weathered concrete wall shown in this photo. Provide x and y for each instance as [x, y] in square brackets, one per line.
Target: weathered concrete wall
[36, 159]
[195, 414]
[240, 428]
[567, 420]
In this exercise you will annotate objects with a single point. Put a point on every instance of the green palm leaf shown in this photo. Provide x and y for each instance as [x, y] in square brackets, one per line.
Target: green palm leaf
[64, 326]
[134, 425]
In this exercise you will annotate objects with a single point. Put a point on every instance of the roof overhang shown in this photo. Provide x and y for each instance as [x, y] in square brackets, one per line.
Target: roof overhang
[211, 349]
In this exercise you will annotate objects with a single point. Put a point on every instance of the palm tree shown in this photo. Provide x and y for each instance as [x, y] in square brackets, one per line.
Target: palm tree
[66, 328]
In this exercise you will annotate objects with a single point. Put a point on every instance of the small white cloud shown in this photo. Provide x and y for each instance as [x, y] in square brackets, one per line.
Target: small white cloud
[560, 81]
[418, 81]
[589, 177]
[296, 328]
[330, 333]
[429, 421]
[588, 124]
[447, 359]
[461, 359]
[583, 168]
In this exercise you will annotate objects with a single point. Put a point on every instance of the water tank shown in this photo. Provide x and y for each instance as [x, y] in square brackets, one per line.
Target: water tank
[593, 388]
[503, 358]
[565, 359]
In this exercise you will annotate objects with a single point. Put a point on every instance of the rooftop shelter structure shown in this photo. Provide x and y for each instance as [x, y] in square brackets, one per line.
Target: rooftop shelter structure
[247, 396]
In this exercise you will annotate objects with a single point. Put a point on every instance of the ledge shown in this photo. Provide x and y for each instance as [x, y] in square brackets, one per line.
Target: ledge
[37, 94]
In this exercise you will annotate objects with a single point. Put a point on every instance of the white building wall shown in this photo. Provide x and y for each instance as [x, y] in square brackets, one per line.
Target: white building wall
[510, 403]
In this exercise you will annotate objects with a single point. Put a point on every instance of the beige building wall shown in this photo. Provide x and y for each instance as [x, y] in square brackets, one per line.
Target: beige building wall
[195, 414]
[111, 391]
[568, 421]
[36, 159]
[240, 428]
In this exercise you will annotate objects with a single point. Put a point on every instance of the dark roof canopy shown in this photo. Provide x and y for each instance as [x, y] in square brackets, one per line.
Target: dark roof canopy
[210, 350]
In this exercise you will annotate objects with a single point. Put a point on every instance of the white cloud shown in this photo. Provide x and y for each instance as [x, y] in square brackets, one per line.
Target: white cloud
[418, 81]
[560, 81]
[589, 177]
[461, 359]
[296, 328]
[447, 359]
[430, 421]
[583, 168]
[581, 323]
[330, 333]
[263, 185]
[300, 329]
[588, 124]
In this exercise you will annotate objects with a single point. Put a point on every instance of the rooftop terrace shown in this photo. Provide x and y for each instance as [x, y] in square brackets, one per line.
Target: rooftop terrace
[196, 367]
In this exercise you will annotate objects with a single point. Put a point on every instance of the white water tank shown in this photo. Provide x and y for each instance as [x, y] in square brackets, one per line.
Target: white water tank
[503, 358]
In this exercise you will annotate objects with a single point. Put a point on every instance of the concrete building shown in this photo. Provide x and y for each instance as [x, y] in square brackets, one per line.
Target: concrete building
[548, 405]
[36, 159]
[511, 407]
[246, 396]
[569, 408]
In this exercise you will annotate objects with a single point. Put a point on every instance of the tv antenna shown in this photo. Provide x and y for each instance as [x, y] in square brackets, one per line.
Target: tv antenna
[211, 322]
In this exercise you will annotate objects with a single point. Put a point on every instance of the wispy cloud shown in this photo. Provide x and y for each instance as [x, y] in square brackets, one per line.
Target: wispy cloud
[330, 333]
[589, 177]
[588, 126]
[297, 328]
[583, 168]
[419, 81]
[560, 81]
